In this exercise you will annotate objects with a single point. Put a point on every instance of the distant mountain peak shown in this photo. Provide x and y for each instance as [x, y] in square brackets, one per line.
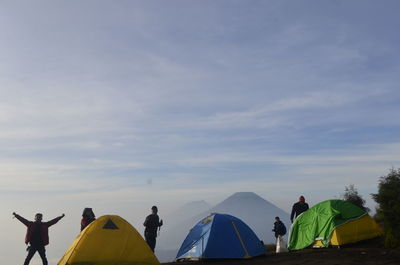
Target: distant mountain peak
[197, 202]
[244, 194]
[247, 201]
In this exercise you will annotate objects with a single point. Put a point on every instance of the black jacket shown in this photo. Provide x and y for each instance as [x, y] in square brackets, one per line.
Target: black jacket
[279, 229]
[151, 223]
[297, 209]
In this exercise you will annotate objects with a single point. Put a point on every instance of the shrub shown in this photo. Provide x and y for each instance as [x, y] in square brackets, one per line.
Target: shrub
[351, 195]
[388, 199]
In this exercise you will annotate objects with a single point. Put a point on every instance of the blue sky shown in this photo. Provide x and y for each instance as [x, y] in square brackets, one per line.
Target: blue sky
[121, 105]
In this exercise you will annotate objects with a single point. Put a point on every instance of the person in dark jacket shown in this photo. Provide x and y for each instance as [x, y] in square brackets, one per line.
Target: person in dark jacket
[37, 235]
[152, 223]
[298, 208]
[280, 231]
[279, 227]
[87, 217]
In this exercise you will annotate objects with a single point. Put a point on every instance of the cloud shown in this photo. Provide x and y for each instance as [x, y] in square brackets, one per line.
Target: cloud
[47, 177]
[276, 114]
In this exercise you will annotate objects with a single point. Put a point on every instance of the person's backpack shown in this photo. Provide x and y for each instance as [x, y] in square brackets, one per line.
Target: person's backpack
[283, 229]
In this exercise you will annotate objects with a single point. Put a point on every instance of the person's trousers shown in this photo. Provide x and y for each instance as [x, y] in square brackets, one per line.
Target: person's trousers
[32, 250]
[281, 245]
[151, 241]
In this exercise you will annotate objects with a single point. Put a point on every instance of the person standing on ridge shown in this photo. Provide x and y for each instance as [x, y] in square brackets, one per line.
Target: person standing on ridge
[298, 208]
[152, 223]
[37, 235]
[87, 217]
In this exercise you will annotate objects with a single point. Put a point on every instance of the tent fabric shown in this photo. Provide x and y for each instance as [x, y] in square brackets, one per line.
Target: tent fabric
[321, 221]
[354, 231]
[109, 240]
[220, 236]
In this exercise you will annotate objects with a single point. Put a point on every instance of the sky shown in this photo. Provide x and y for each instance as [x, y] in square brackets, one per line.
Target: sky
[119, 105]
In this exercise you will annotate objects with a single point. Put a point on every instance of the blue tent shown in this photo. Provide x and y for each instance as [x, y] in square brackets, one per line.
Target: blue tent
[220, 236]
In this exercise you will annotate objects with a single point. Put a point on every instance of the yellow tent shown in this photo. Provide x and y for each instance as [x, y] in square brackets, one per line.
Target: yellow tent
[110, 240]
[354, 231]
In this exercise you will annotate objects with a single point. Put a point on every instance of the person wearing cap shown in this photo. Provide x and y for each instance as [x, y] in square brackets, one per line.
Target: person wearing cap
[87, 217]
[298, 208]
[152, 223]
[37, 235]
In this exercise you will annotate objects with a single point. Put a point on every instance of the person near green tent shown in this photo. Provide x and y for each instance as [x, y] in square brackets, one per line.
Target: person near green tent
[87, 217]
[298, 208]
[152, 223]
[280, 231]
[279, 227]
[37, 235]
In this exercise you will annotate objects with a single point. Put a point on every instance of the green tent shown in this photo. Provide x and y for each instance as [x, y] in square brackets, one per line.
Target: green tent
[319, 222]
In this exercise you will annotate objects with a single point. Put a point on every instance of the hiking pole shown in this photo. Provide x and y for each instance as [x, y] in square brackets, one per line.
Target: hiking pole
[159, 228]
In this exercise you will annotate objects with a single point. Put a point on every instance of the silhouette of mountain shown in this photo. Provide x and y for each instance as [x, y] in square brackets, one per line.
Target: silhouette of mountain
[189, 209]
[254, 210]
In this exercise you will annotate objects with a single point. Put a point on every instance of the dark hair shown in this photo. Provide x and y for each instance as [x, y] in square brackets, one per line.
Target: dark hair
[38, 214]
[154, 208]
[88, 212]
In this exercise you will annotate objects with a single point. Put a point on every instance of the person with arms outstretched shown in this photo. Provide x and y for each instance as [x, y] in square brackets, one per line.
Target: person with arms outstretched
[37, 235]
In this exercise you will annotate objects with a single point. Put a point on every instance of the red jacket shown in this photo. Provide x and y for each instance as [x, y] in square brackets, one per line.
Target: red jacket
[44, 228]
[86, 221]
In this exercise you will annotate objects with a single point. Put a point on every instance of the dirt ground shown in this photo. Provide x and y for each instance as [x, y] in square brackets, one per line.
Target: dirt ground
[364, 254]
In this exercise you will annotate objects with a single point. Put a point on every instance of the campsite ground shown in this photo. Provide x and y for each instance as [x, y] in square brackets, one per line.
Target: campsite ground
[369, 253]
